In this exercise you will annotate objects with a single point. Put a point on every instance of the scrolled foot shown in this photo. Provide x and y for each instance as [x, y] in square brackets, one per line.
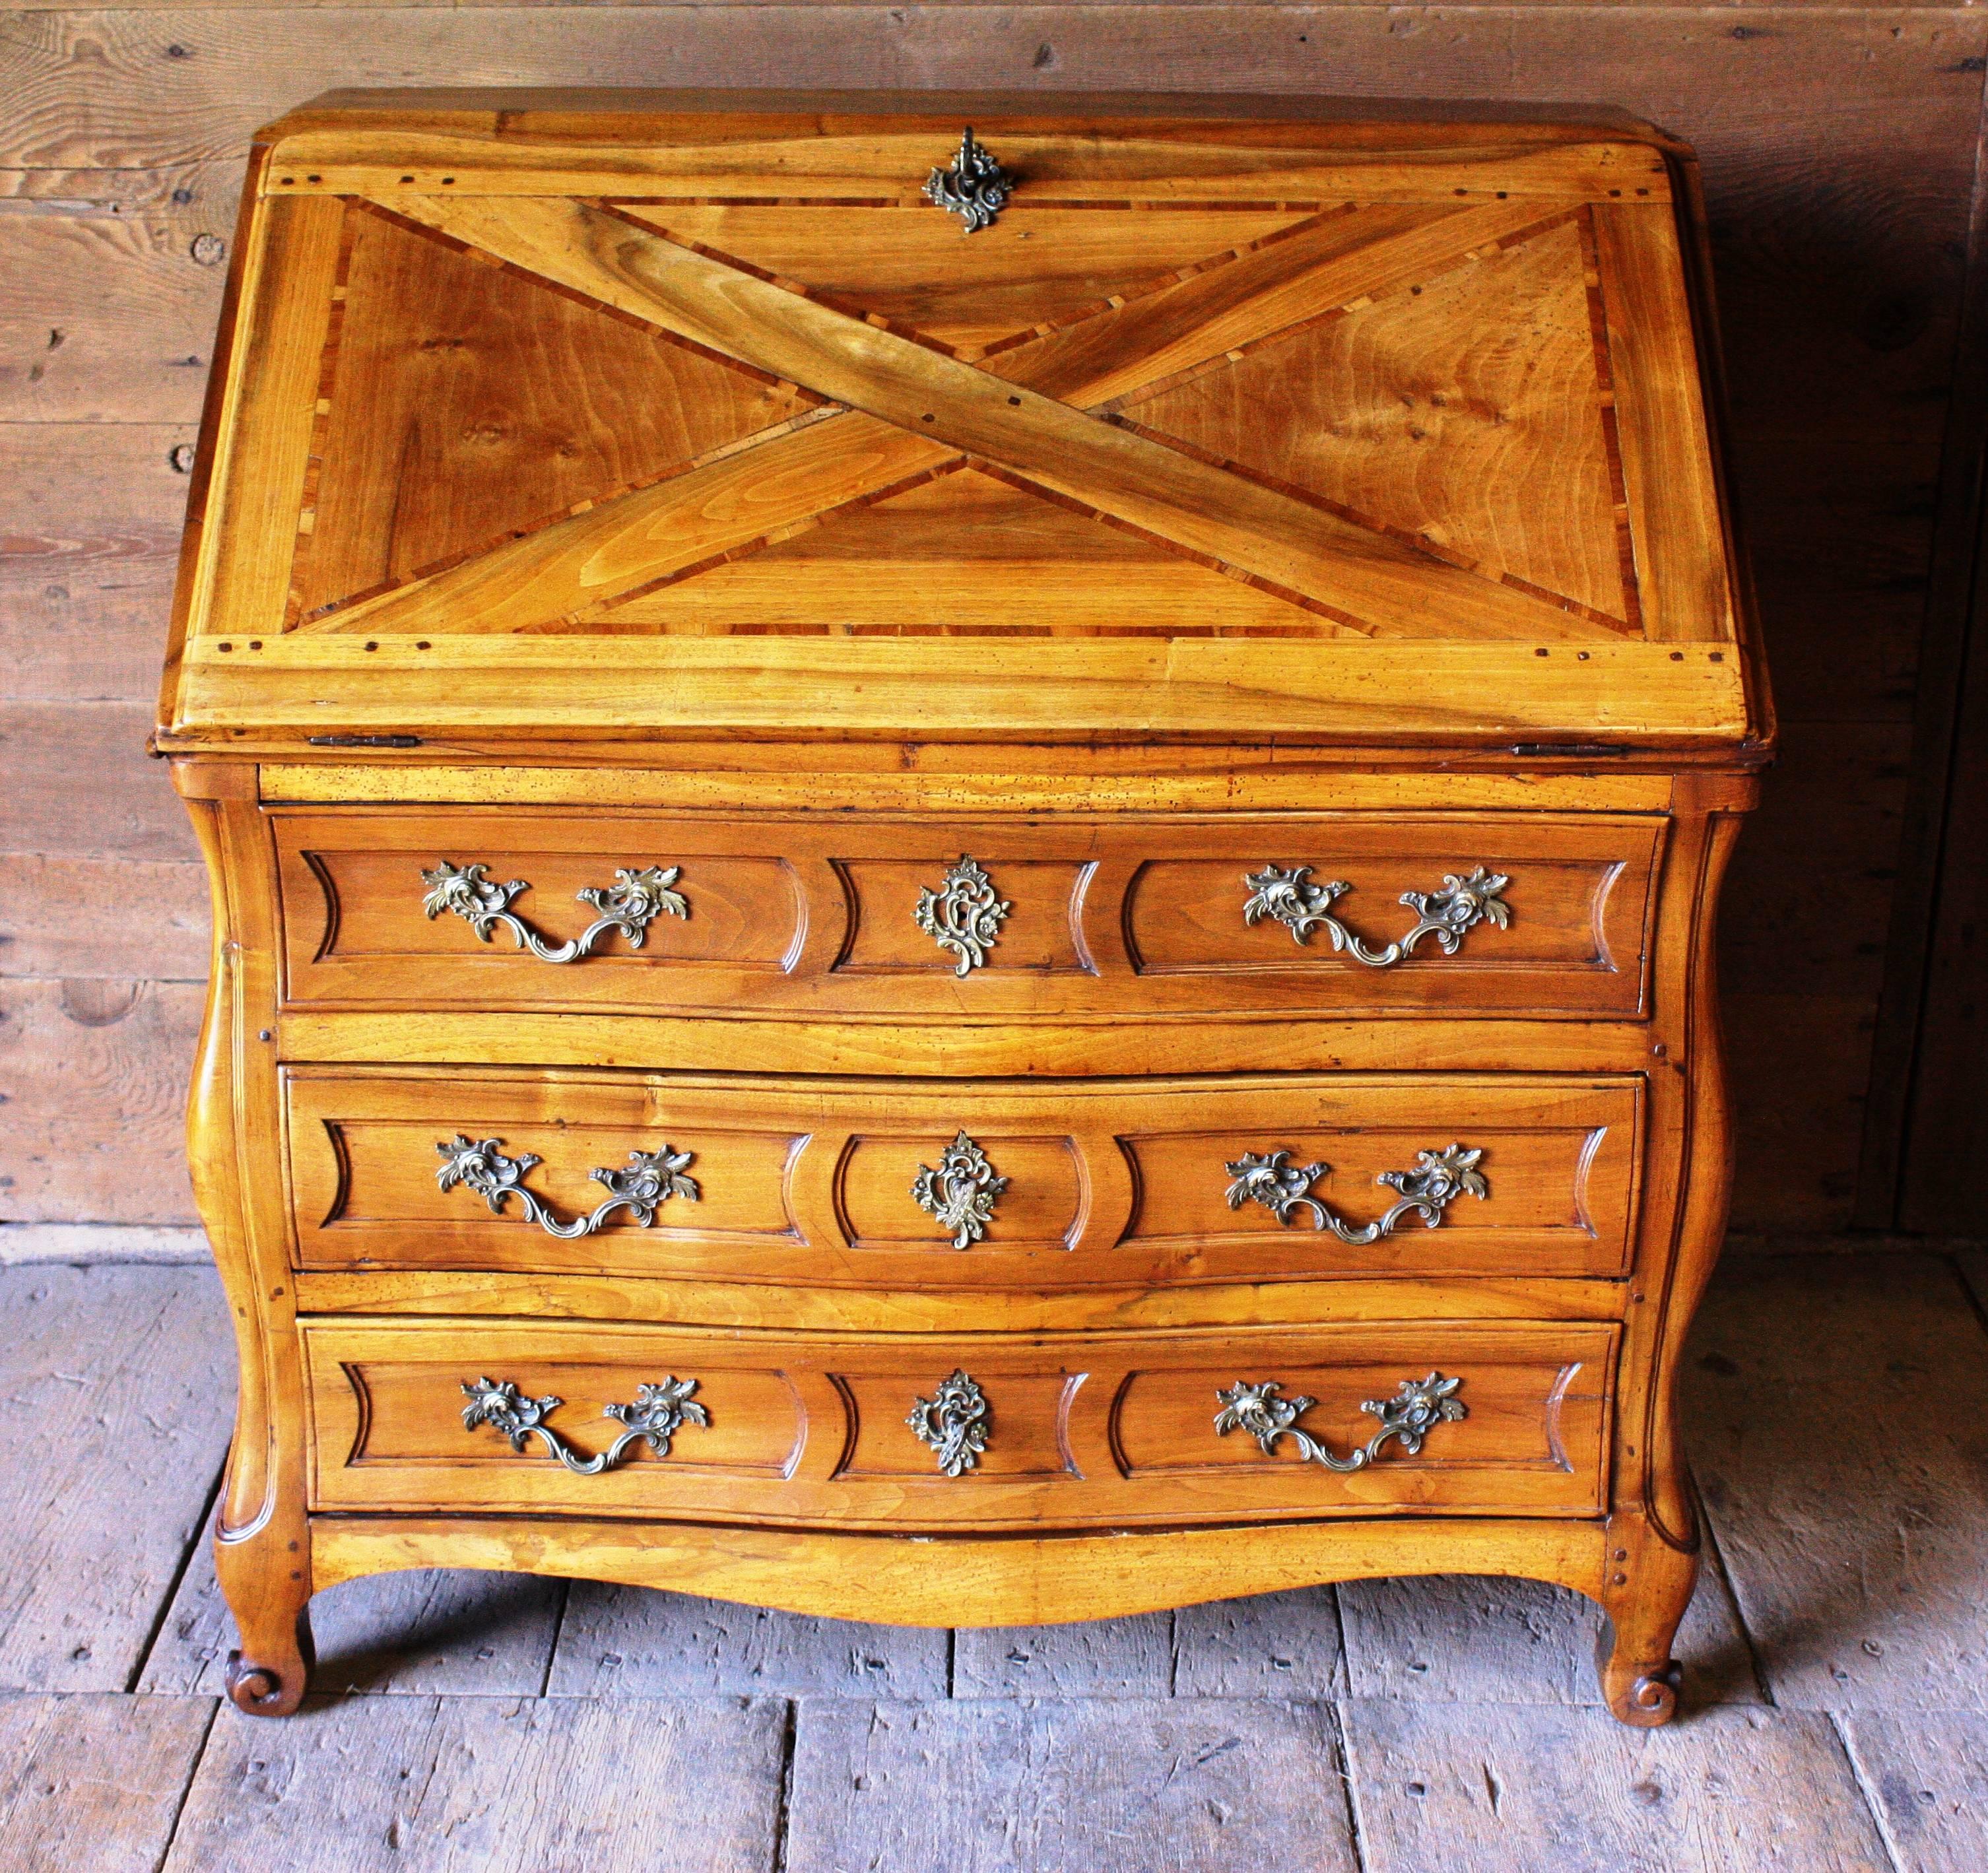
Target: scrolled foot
[1651, 1699]
[260, 1691]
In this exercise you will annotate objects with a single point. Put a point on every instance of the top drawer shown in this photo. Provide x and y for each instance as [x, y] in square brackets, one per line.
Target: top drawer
[1234, 914]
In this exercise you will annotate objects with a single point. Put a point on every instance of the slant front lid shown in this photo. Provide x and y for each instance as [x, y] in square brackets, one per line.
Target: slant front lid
[577, 420]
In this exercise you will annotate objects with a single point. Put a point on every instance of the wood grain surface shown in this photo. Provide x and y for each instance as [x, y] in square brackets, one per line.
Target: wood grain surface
[1902, 1583]
[1502, 1765]
[124, 1373]
[95, 1777]
[987, 1786]
[1839, 238]
[552, 1787]
[1482, 1786]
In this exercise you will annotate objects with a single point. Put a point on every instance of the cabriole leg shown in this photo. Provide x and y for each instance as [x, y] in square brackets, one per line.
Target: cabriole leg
[266, 1582]
[1645, 1595]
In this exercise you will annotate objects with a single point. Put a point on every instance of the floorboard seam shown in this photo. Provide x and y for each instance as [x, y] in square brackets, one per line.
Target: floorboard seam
[558, 1633]
[783, 1806]
[1349, 1794]
[1900, 1864]
[1755, 1662]
[1967, 1289]
[165, 1612]
[1342, 1673]
[186, 1787]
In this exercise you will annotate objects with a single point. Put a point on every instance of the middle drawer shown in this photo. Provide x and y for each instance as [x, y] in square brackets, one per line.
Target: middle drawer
[962, 1184]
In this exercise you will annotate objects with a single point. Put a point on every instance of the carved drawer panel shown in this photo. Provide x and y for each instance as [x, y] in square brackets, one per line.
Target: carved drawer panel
[992, 1431]
[517, 909]
[985, 1185]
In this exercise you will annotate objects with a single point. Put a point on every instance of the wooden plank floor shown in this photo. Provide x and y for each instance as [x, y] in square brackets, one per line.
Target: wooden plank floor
[1837, 1700]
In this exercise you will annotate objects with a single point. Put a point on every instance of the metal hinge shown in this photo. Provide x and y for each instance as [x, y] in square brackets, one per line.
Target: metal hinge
[365, 740]
[1579, 751]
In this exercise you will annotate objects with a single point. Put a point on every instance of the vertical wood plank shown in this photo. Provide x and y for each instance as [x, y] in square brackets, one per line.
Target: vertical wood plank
[1950, 737]
[485, 1785]
[1929, 1782]
[1945, 1131]
[115, 1405]
[1486, 1789]
[1121, 1787]
[1101, 1658]
[1455, 1639]
[1837, 1411]
[71, 919]
[632, 1641]
[107, 318]
[94, 1782]
[79, 783]
[1282, 1645]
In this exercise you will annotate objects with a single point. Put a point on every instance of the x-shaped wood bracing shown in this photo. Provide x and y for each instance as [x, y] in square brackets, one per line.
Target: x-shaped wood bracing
[908, 410]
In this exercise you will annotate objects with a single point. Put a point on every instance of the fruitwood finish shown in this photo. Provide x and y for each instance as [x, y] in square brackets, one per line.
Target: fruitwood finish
[966, 885]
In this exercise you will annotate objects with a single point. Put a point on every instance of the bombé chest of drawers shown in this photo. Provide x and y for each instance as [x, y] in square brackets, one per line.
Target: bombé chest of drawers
[961, 876]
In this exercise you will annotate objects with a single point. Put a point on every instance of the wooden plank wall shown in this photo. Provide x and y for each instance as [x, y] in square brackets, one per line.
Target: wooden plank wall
[1839, 145]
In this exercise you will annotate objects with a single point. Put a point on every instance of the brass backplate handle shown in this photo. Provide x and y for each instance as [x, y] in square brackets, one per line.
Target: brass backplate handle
[651, 1179]
[1417, 1408]
[633, 901]
[1288, 896]
[1284, 1189]
[659, 1411]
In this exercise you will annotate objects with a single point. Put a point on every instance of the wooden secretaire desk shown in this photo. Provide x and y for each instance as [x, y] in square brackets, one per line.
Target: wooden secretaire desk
[961, 879]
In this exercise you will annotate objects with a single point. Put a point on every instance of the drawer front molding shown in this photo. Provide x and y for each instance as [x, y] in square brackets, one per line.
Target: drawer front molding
[954, 1421]
[1288, 896]
[659, 1411]
[652, 1178]
[1417, 1408]
[633, 901]
[1284, 1189]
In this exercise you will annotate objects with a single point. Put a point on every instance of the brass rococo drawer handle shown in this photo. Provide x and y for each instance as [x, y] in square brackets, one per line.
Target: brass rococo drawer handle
[954, 1421]
[633, 901]
[1291, 898]
[658, 1413]
[651, 1178]
[1409, 1417]
[1284, 1189]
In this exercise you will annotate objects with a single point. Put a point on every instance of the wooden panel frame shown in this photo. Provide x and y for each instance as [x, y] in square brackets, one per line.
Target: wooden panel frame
[238, 683]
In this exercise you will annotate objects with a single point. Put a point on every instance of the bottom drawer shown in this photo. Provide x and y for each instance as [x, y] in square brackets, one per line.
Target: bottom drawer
[932, 1431]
